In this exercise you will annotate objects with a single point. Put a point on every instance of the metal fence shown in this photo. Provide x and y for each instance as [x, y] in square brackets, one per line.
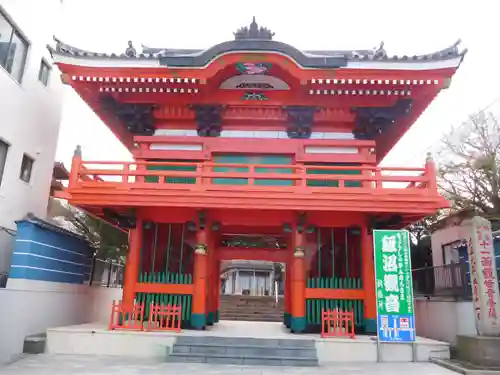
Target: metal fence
[106, 273]
[449, 280]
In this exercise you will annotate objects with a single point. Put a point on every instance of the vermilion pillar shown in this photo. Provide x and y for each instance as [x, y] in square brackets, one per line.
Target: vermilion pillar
[75, 166]
[298, 318]
[217, 291]
[368, 277]
[211, 282]
[287, 298]
[199, 311]
[132, 265]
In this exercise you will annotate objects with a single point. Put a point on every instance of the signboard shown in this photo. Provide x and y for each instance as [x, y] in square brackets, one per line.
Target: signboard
[395, 314]
[483, 276]
[260, 82]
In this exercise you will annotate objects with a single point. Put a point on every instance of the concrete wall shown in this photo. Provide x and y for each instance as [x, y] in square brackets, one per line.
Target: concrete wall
[100, 303]
[442, 237]
[26, 312]
[443, 320]
[29, 118]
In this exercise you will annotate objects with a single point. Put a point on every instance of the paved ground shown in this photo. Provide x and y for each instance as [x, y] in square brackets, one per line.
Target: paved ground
[44, 364]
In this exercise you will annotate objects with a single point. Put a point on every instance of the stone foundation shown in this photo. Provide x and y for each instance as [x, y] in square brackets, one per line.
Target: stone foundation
[479, 350]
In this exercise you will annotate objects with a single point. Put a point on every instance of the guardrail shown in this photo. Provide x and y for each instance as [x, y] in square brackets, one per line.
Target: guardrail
[106, 273]
[221, 176]
[450, 280]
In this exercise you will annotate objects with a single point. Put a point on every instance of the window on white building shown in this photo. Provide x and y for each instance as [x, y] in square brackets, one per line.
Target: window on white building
[26, 168]
[44, 72]
[13, 49]
[4, 149]
[451, 253]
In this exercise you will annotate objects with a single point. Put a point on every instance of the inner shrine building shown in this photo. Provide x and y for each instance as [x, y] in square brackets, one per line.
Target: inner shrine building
[253, 150]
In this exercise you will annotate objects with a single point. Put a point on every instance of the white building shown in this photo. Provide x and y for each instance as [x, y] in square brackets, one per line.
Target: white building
[254, 278]
[30, 112]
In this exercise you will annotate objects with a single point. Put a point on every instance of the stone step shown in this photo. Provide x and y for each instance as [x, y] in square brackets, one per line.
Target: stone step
[248, 341]
[254, 311]
[251, 308]
[244, 351]
[253, 318]
[241, 360]
[250, 313]
[251, 304]
[35, 344]
[255, 300]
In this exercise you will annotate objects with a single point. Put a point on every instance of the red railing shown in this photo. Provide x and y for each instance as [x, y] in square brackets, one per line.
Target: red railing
[164, 318]
[335, 323]
[207, 176]
[130, 318]
[161, 317]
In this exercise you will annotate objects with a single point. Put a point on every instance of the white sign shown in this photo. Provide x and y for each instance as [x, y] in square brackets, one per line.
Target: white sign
[483, 276]
[260, 82]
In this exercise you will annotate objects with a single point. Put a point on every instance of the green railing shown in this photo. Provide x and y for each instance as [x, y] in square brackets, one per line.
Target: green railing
[334, 283]
[172, 180]
[315, 306]
[331, 183]
[252, 159]
[166, 299]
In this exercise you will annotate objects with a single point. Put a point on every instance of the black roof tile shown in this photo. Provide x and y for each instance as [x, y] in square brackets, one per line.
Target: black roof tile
[258, 39]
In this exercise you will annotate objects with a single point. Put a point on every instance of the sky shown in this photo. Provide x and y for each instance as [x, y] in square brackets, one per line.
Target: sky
[406, 27]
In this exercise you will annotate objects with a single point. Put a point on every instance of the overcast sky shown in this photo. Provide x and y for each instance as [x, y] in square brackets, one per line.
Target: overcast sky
[406, 28]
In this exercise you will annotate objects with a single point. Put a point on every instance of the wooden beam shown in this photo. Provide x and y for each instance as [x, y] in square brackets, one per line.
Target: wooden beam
[324, 293]
[164, 288]
[270, 255]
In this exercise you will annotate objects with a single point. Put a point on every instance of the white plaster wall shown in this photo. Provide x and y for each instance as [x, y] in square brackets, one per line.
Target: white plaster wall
[100, 303]
[443, 320]
[466, 319]
[27, 312]
[29, 117]
[30, 311]
[442, 237]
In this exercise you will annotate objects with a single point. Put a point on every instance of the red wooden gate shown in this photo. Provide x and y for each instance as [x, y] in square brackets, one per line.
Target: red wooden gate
[335, 323]
[130, 319]
[164, 318]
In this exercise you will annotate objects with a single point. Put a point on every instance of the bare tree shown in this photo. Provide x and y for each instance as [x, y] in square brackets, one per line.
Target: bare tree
[420, 241]
[469, 166]
[108, 242]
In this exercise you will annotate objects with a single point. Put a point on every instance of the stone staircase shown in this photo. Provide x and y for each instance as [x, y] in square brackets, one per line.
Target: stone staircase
[251, 308]
[244, 351]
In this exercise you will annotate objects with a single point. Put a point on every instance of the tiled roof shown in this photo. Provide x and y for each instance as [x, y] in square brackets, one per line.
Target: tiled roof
[255, 38]
[148, 53]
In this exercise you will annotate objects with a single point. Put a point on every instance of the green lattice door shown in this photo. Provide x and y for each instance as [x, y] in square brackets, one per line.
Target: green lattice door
[172, 180]
[332, 183]
[253, 159]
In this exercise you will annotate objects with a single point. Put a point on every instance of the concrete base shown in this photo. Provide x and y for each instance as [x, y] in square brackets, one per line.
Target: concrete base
[96, 339]
[198, 321]
[298, 324]
[365, 349]
[479, 350]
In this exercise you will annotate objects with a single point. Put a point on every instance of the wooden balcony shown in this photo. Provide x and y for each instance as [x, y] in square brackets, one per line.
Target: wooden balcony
[253, 186]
